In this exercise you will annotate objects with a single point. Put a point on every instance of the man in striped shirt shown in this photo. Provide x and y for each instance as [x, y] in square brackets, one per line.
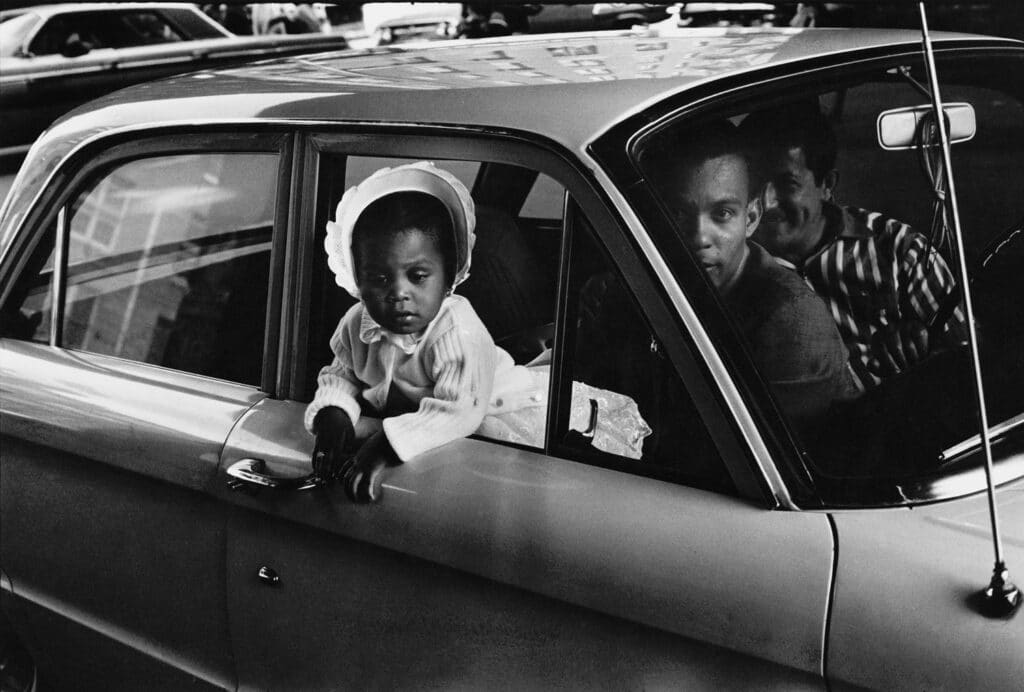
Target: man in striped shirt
[890, 292]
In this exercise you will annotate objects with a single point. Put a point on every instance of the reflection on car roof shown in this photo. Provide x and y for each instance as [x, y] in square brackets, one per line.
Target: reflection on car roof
[568, 87]
[615, 72]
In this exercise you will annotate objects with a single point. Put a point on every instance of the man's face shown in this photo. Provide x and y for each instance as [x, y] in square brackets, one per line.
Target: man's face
[716, 215]
[793, 218]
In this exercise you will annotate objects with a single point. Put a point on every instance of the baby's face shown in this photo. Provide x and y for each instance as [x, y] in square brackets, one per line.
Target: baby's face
[401, 279]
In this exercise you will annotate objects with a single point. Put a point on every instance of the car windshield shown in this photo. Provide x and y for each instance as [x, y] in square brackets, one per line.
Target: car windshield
[14, 31]
[823, 238]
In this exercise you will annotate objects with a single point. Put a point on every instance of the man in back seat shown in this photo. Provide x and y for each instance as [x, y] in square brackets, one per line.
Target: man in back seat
[889, 291]
[713, 196]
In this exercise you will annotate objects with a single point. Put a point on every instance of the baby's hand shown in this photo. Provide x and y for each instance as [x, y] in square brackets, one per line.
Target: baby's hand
[333, 430]
[363, 474]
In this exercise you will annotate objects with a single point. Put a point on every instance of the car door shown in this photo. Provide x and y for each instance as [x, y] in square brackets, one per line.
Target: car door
[489, 563]
[133, 341]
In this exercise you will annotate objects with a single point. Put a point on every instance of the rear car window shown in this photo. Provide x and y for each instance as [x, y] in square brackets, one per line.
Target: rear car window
[167, 262]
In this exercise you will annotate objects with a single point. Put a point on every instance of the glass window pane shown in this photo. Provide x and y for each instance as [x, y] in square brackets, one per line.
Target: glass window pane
[627, 399]
[29, 309]
[545, 199]
[168, 263]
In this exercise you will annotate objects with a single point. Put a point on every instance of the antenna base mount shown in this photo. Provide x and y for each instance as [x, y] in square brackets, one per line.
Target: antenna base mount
[1001, 598]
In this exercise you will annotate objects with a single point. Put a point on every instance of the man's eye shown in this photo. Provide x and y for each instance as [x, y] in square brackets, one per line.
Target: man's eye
[723, 214]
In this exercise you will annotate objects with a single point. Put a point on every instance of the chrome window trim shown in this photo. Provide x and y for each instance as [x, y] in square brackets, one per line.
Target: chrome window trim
[59, 278]
[974, 442]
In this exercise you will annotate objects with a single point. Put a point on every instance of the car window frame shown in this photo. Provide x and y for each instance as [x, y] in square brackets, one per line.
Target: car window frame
[66, 183]
[535, 153]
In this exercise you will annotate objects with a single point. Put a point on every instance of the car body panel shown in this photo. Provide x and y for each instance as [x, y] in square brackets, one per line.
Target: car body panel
[911, 577]
[180, 438]
[130, 457]
[541, 525]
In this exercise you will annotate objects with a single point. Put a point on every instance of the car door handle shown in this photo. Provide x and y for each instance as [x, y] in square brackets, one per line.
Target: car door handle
[253, 473]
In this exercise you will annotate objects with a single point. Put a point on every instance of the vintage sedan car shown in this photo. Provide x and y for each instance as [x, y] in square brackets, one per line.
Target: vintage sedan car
[167, 305]
[55, 57]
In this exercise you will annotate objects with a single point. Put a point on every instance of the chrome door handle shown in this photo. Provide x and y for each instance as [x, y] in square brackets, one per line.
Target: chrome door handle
[253, 472]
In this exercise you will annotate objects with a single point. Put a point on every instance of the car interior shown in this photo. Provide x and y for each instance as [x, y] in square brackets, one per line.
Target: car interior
[903, 427]
[920, 413]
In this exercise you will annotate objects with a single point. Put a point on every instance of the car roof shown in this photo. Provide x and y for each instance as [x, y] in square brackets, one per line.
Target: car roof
[567, 87]
[50, 10]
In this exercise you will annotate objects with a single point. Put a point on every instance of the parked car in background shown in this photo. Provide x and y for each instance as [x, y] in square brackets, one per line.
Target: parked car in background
[166, 306]
[55, 57]
[397, 22]
[696, 14]
[595, 16]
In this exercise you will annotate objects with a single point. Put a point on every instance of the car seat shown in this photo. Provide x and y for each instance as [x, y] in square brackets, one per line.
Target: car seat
[507, 285]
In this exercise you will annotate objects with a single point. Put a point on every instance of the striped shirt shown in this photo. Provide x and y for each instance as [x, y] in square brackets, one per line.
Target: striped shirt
[876, 273]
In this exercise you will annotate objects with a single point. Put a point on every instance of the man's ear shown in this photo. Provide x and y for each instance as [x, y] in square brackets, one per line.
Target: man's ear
[831, 182]
[755, 207]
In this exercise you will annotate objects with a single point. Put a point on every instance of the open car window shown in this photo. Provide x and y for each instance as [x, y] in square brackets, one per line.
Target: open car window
[884, 265]
[512, 280]
[620, 402]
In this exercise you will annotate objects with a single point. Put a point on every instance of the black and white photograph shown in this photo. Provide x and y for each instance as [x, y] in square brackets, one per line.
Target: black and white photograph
[512, 346]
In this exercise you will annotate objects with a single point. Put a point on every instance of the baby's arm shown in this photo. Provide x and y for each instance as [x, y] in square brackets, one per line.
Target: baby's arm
[336, 385]
[462, 363]
[334, 411]
[463, 367]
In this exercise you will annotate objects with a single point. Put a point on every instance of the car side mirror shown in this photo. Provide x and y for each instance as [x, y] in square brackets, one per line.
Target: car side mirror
[898, 128]
[75, 47]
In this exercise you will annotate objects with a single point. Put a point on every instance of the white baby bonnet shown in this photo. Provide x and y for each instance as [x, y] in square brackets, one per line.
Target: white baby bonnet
[421, 176]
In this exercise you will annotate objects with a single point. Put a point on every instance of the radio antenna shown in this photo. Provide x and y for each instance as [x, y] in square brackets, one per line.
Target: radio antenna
[1001, 598]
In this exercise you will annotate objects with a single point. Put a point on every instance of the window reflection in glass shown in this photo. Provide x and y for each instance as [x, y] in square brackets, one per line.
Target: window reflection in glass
[168, 263]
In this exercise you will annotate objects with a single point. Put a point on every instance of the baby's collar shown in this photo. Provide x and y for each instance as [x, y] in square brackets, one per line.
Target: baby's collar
[370, 332]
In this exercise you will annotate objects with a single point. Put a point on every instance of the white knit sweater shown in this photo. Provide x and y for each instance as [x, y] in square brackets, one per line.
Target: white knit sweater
[453, 370]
